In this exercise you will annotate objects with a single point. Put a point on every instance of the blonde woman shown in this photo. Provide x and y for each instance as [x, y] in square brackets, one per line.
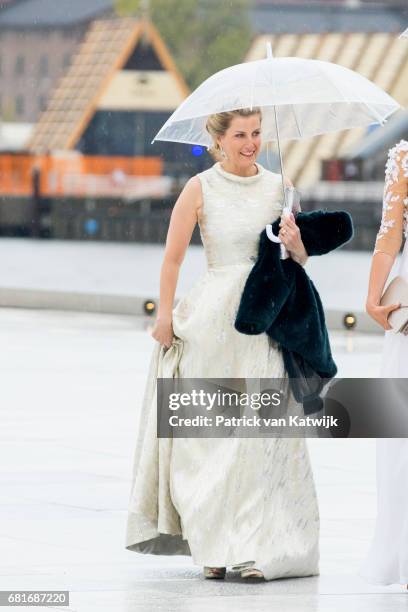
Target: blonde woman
[387, 561]
[244, 503]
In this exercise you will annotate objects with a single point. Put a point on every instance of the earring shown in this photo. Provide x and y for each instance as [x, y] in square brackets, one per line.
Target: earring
[223, 154]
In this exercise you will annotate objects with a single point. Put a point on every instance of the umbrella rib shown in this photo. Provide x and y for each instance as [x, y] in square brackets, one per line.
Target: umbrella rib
[296, 121]
[380, 119]
[348, 101]
[322, 69]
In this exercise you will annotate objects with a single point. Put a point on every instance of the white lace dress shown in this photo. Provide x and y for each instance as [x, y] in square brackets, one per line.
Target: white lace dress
[387, 559]
[233, 501]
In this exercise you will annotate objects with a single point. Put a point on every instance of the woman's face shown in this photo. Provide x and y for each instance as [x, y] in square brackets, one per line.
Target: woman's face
[242, 141]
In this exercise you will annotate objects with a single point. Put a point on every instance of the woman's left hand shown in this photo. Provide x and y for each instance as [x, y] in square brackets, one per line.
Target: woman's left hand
[289, 234]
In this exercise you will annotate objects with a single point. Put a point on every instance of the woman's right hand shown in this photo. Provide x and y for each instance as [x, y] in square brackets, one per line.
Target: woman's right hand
[163, 331]
[380, 314]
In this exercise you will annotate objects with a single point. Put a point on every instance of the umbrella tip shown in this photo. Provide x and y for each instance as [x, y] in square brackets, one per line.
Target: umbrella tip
[269, 53]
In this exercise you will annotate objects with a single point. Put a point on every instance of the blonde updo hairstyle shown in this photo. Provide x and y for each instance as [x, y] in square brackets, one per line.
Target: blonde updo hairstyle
[219, 123]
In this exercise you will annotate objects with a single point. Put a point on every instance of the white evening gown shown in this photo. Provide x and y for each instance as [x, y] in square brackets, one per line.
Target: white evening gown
[387, 559]
[233, 501]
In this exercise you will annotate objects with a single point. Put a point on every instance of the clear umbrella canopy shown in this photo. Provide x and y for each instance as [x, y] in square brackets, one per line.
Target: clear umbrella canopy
[404, 34]
[298, 98]
[312, 97]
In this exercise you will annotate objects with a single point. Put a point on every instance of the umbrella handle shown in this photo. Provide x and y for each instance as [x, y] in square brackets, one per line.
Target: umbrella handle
[284, 253]
[271, 235]
[285, 213]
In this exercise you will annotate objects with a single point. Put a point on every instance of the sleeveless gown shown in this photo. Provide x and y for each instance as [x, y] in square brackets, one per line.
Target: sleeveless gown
[387, 560]
[235, 501]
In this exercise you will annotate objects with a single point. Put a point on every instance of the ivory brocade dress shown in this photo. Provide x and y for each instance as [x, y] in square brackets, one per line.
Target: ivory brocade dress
[387, 559]
[227, 502]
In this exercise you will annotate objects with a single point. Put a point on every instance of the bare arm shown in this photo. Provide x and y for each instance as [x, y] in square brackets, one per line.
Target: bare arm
[381, 265]
[182, 222]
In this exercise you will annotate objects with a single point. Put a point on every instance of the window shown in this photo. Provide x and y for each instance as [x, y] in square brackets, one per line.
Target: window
[43, 69]
[20, 64]
[19, 106]
[42, 103]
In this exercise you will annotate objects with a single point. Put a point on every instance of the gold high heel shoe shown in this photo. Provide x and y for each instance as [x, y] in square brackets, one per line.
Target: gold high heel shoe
[214, 572]
[252, 572]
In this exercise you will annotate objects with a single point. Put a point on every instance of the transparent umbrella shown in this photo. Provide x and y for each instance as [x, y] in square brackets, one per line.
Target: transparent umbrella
[404, 34]
[313, 97]
[299, 98]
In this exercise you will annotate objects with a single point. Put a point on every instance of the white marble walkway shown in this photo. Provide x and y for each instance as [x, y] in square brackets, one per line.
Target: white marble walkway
[71, 387]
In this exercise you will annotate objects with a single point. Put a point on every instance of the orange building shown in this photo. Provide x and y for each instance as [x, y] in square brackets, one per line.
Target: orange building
[93, 141]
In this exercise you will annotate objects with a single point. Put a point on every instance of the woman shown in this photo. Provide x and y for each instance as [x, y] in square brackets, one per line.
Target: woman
[387, 561]
[246, 503]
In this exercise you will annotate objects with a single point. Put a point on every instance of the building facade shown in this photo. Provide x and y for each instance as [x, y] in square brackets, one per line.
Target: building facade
[37, 41]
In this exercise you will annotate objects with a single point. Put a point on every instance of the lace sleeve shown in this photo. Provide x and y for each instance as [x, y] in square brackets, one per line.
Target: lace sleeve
[395, 202]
